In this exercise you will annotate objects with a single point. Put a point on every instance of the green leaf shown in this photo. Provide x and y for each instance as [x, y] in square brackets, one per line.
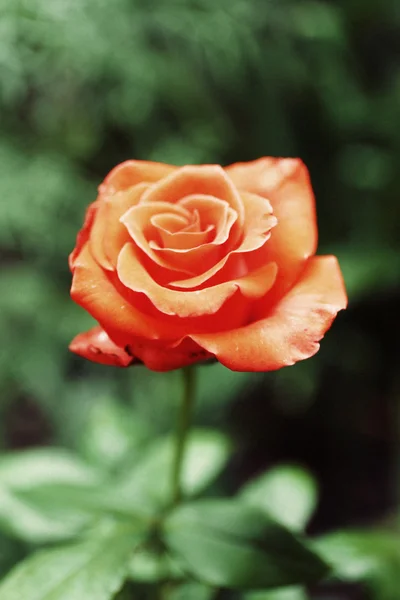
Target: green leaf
[315, 21]
[68, 499]
[206, 455]
[111, 434]
[287, 493]
[225, 543]
[55, 512]
[11, 551]
[290, 593]
[20, 470]
[149, 566]
[192, 591]
[92, 570]
[26, 521]
[370, 556]
[50, 519]
[148, 485]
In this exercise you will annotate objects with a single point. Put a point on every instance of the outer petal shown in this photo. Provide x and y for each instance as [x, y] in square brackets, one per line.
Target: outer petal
[84, 233]
[95, 292]
[131, 172]
[108, 234]
[291, 330]
[285, 182]
[97, 347]
[127, 316]
[159, 357]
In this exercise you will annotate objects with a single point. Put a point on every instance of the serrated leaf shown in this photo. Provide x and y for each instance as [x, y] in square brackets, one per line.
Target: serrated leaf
[229, 544]
[287, 493]
[148, 485]
[92, 570]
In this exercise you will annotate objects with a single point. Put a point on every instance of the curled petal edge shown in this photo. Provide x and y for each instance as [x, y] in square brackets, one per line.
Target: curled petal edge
[292, 330]
[193, 303]
[132, 172]
[286, 184]
[96, 346]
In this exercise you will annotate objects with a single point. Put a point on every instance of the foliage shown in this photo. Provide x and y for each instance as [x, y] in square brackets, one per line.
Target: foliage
[86, 84]
[221, 542]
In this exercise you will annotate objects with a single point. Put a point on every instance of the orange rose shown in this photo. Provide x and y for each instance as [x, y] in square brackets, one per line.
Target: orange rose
[181, 264]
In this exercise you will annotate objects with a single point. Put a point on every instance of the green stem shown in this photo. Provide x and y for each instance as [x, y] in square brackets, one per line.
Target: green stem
[182, 431]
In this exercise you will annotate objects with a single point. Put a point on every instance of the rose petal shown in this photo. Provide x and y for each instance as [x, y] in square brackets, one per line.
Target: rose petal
[285, 182]
[108, 234]
[98, 294]
[183, 241]
[96, 346]
[180, 234]
[83, 234]
[169, 223]
[199, 258]
[291, 330]
[164, 358]
[131, 172]
[189, 303]
[210, 180]
[258, 222]
[211, 211]
[138, 223]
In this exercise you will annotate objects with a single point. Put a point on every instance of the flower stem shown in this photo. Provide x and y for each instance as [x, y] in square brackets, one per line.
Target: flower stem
[182, 431]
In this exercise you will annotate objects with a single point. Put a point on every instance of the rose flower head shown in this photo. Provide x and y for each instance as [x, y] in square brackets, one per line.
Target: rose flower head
[183, 264]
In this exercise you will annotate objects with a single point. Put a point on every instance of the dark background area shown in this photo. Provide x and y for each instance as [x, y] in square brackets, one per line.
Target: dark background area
[87, 84]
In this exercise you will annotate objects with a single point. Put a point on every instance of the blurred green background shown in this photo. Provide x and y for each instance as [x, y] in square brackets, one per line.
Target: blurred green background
[85, 84]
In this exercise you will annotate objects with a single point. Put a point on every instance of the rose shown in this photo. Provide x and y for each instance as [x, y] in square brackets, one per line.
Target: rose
[181, 264]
